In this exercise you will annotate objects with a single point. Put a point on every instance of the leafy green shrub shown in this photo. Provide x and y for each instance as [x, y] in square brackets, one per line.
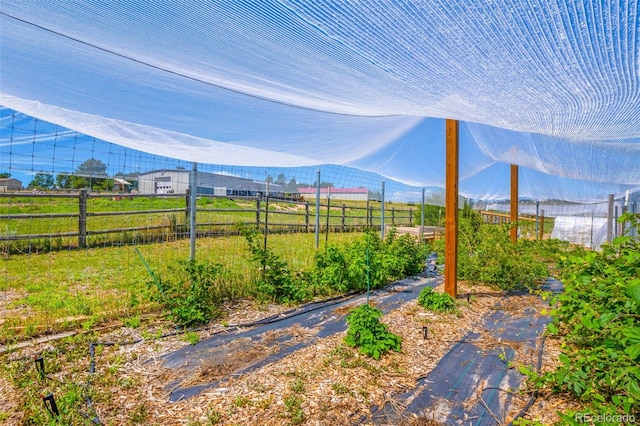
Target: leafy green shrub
[343, 269]
[486, 255]
[331, 270]
[188, 291]
[599, 314]
[436, 302]
[275, 280]
[367, 333]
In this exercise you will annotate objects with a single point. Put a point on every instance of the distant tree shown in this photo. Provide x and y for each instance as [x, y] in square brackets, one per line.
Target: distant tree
[78, 182]
[94, 171]
[42, 181]
[292, 186]
[269, 179]
[63, 180]
[5, 175]
[281, 179]
[92, 167]
[324, 184]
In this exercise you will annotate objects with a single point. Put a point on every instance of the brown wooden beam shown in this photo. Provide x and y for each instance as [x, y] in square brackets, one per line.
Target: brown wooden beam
[451, 210]
[514, 203]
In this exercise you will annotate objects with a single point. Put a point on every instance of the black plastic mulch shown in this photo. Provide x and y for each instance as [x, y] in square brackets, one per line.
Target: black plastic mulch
[471, 385]
[326, 317]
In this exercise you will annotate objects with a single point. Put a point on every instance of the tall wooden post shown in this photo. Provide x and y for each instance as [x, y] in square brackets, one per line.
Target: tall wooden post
[514, 203]
[451, 213]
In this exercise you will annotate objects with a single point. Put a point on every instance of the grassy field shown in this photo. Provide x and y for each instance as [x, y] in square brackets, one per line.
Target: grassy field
[61, 290]
[214, 215]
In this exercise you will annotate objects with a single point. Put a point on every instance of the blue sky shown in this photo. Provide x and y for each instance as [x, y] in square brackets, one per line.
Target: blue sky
[29, 146]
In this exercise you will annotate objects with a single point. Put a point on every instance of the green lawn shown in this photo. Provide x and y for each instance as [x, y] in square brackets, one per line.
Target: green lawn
[58, 290]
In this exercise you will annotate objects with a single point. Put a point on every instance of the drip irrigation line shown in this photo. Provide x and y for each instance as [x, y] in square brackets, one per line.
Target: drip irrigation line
[269, 320]
[92, 369]
[503, 390]
[534, 395]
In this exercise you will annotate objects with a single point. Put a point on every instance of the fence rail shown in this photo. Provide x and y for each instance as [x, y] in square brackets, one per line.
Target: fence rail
[95, 215]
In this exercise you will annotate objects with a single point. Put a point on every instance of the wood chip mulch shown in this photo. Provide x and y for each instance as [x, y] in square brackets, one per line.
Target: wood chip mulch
[326, 383]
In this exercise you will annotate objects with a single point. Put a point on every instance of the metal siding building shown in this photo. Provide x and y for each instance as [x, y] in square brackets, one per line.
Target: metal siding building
[176, 181]
[347, 194]
[10, 184]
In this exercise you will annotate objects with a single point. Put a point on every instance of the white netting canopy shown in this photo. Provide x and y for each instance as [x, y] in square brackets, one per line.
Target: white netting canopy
[550, 85]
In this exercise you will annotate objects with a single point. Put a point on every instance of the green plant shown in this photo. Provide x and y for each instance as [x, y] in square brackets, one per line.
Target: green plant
[140, 414]
[293, 404]
[343, 269]
[367, 333]
[298, 386]
[340, 388]
[189, 293]
[436, 302]
[275, 279]
[133, 322]
[191, 337]
[599, 315]
[242, 401]
[486, 255]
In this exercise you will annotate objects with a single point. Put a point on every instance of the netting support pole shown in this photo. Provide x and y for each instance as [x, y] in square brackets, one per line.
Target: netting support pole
[382, 213]
[266, 215]
[451, 209]
[318, 209]
[514, 203]
[192, 211]
[537, 220]
[326, 237]
[541, 236]
[422, 239]
[82, 218]
[633, 232]
[610, 219]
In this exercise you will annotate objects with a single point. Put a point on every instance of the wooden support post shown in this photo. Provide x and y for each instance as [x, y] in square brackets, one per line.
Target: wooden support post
[344, 216]
[514, 203]
[306, 216]
[541, 224]
[451, 209]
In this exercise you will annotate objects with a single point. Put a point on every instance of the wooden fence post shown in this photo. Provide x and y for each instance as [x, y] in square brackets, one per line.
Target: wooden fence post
[82, 218]
[393, 216]
[344, 213]
[410, 217]
[306, 217]
[541, 224]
